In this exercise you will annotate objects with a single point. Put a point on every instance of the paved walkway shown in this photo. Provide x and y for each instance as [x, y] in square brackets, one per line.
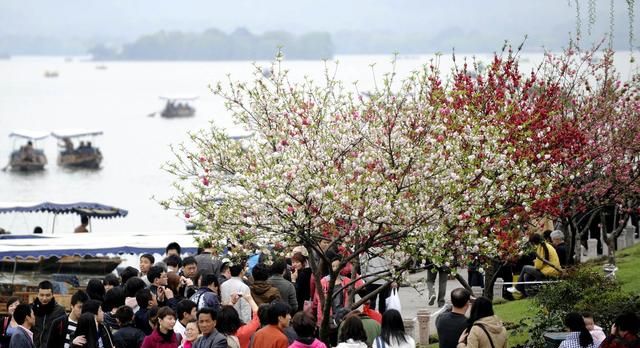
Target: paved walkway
[416, 297]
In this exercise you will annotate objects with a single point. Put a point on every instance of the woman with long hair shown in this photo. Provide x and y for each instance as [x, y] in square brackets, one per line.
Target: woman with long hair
[546, 264]
[352, 334]
[8, 324]
[301, 277]
[163, 336]
[392, 334]
[173, 283]
[87, 327]
[230, 325]
[485, 330]
[579, 335]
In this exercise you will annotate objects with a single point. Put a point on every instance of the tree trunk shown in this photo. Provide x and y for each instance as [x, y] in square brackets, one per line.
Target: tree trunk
[463, 282]
[572, 234]
[576, 237]
[326, 308]
[490, 275]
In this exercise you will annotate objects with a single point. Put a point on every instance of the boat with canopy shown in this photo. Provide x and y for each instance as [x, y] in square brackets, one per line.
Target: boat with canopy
[65, 253]
[178, 106]
[28, 157]
[84, 155]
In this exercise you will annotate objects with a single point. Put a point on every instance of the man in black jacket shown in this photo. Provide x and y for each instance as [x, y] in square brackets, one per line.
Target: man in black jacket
[127, 336]
[46, 310]
[63, 328]
[145, 299]
[557, 239]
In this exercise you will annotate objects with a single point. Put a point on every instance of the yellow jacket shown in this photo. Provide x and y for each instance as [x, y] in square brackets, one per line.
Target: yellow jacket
[553, 259]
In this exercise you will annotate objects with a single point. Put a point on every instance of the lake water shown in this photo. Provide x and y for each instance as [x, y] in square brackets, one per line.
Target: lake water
[118, 100]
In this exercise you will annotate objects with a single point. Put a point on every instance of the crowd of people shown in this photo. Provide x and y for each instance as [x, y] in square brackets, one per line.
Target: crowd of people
[482, 328]
[207, 301]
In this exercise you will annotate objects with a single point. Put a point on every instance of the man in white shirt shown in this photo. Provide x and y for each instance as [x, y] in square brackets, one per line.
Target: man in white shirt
[235, 285]
[186, 311]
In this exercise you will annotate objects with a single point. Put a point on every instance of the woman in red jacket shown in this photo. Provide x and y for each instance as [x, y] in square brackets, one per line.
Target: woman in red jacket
[230, 325]
[163, 336]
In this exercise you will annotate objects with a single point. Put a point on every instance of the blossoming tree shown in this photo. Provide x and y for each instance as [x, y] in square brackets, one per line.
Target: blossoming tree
[422, 168]
[599, 171]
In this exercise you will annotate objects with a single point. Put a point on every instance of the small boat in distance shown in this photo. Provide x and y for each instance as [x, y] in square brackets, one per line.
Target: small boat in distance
[51, 74]
[28, 157]
[178, 107]
[85, 155]
[101, 67]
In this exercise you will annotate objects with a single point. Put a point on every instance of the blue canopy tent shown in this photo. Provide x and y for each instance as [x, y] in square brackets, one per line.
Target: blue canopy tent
[92, 210]
[25, 253]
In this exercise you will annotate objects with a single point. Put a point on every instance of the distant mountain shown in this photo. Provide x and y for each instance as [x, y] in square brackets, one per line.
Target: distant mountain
[214, 44]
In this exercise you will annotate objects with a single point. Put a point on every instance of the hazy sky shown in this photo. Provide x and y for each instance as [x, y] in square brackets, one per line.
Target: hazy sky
[127, 19]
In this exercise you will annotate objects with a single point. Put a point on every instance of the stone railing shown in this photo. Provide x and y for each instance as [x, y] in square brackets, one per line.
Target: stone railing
[419, 327]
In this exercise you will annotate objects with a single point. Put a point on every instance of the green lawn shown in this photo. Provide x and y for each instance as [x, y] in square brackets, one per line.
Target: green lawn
[628, 261]
[512, 313]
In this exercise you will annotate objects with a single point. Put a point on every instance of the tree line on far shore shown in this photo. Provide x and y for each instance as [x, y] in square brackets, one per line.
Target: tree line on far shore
[214, 44]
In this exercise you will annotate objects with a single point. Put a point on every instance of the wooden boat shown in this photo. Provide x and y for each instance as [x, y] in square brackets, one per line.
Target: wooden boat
[51, 74]
[84, 156]
[178, 107]
[64, 253]
[27, 157]
[96, 265]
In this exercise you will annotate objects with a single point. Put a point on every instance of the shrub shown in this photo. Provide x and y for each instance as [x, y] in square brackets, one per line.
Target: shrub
[581, 290]
[578, 284]
[606, 306]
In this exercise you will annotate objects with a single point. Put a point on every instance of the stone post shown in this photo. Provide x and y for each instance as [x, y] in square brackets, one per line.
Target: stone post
[410, 328]
[476, 290]
[497, 288]
[592, 248]
[621, 242]
[424, 316]
[629, 233]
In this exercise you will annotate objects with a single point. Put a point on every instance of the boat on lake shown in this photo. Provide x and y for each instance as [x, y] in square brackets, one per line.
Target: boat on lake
[178, 107]
[28, 157]
[84, 155]
[51, 74]
[71, 264]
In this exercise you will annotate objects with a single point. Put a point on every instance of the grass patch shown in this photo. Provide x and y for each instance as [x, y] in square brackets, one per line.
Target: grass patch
[628, 261]
[513, 312]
